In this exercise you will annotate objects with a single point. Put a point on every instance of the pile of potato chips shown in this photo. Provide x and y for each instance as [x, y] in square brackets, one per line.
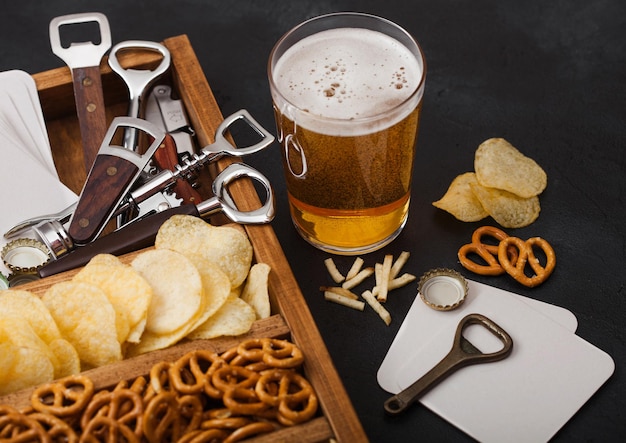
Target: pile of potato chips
[197, 283]
[505, 185]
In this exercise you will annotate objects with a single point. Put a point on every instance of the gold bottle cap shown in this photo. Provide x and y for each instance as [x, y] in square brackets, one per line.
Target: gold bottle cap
[25, 255]
[443, 289]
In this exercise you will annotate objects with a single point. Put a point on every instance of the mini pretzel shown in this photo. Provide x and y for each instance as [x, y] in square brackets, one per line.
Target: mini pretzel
[225, 423]
[243, 401]
[526, 255]
[162, 421]
[488, 253]
[274, 352]
[18, 427]
[229, 377]
[204, 435]
[106, 429]
[191, 412]
[57, 429]
[63, 398]
[159, 378]
[124, 406]
[249, 430]
[190, 373]
[295, 398]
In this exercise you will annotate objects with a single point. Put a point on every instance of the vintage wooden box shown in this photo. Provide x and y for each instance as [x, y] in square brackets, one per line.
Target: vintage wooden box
[291, 317]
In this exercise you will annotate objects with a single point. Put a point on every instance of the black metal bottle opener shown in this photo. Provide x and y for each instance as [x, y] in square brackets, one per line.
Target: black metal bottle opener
[463, 353]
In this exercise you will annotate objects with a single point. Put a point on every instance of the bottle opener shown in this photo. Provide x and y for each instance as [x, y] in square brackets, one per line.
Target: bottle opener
[463, 353]
[141, 233]
[112, 175]
[83, 59]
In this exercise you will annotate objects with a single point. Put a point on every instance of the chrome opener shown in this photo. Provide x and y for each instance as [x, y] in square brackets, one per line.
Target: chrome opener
[141, 234]
[123, 193]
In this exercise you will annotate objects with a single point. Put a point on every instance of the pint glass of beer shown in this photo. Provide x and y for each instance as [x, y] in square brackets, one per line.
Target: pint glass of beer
[347, 91]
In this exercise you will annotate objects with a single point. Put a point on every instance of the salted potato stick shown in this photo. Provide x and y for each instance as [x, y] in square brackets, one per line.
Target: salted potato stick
[397, 266]
[357, 279]
[396, 283]
[345, 301]
[355, 269]
[376, 306]
[384, 279]
[341, 291]
[333, 271]
[378, 272]
[403, 280]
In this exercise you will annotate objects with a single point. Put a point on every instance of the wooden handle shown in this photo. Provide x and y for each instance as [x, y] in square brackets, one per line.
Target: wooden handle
[91, 111]
[166, 157]
[135, 236]
[105, 186]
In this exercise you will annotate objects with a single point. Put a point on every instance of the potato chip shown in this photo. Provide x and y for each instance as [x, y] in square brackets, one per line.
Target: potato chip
[460, 201]
[25, 304]
[153, 342]
[215, 285]
[224, 245]
[105, 259]
[507, 209]
[129, 293]
[234, 318]
[86, 319]
[31, 361]
[68, 361]
[498, 164]
[255, 292]
[177, 290]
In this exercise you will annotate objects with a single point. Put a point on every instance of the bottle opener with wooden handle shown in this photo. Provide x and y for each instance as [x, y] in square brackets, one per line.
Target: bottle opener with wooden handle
[114, 172]
[83, 59]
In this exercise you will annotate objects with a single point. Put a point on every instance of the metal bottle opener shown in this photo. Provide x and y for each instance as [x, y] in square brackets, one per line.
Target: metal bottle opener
[463, 353]
[83, 59]
[138, 80]
[141, 234]
[109, 194]
[113, 174]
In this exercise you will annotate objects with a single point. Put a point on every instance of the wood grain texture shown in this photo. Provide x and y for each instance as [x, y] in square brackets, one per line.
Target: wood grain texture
[291, 316]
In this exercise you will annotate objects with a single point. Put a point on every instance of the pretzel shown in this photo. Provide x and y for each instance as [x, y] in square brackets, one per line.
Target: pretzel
[243, 401]
[487, 252]
[191, 412]
[230, 377]
[190, 373]
[65, 397]
[57, 429]
[273, 352]
[124, 406]
[225, 423]
[204, 435]
[106, 429]
[294, 398]
[162, 420]
[527, 255]
[18, 427]
[249, 430]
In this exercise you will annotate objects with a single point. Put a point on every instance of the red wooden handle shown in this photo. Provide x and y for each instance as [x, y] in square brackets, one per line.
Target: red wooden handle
[166, 157]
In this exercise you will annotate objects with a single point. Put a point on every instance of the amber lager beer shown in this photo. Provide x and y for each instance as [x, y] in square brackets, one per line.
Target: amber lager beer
[347, 92]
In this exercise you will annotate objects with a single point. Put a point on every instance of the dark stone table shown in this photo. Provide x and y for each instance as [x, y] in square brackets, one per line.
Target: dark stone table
[549, 76]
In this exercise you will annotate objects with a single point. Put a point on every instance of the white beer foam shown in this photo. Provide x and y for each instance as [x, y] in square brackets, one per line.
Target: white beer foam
[347, 74]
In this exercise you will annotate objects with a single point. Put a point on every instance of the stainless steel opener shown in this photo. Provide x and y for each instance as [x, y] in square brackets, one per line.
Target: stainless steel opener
[141, 233]
[83, 59]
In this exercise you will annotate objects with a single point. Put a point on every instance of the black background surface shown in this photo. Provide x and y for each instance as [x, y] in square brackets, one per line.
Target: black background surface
[549, 76]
